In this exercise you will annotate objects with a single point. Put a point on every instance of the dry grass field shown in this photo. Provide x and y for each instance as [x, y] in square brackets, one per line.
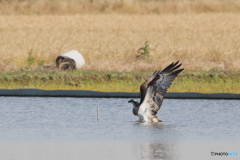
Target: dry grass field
[110, 42]
[202, 34]
[63, 7]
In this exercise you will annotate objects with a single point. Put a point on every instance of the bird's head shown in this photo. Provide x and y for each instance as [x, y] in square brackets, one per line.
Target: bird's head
[131, 101]
[135, 103]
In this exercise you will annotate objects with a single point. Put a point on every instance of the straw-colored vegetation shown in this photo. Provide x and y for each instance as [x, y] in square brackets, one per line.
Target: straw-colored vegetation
[122, 35]
[64, 7]
[111, 42]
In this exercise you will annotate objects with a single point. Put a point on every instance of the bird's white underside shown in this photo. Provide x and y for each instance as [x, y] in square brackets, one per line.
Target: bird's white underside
[145, 113]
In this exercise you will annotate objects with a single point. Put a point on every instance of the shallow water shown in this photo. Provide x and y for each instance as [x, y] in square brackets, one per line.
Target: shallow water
[67, 128]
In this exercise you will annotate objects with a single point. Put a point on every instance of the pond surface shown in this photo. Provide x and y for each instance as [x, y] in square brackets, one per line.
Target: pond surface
[67, 128]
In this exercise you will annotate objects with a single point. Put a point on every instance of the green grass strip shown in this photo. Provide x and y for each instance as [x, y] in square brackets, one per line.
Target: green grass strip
[188, 81]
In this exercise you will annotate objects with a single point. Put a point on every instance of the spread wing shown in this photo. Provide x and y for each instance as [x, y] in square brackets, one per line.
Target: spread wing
[160, 83]
[144, 86]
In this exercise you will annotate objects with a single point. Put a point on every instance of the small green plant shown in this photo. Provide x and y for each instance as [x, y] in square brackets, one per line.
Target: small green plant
[143, 51]
[44, 78]
[41, 63]
[30, 59]
[51, 77]
[110, 76]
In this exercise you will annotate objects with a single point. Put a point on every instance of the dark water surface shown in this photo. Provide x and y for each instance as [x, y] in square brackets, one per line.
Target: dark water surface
[67, 128]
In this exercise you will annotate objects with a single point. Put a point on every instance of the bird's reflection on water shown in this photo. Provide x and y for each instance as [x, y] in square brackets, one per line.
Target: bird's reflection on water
[158, 147]
[157, 151]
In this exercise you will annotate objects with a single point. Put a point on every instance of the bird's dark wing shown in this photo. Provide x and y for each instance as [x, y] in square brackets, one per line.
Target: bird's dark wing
[160, 83]
[144, 86]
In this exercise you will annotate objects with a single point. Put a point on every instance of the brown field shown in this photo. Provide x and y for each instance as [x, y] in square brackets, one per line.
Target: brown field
[202, 38]
[63, 7]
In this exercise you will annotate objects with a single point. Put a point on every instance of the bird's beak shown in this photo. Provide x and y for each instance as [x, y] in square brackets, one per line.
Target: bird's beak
[129, 101]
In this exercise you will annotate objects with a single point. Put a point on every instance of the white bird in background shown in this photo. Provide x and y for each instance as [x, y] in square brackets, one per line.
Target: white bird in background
[153, 91]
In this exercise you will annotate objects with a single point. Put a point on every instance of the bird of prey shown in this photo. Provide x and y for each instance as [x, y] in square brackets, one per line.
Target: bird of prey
[153, 91]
